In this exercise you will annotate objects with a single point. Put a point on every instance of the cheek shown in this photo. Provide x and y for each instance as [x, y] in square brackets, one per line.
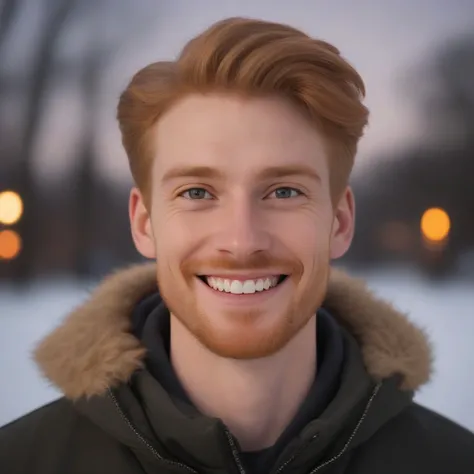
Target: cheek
[176, 236]
[307, 235]
[309, 241]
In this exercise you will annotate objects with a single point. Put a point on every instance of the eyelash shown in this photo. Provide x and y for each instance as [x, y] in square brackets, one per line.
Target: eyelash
[191, 189]
[299, 192]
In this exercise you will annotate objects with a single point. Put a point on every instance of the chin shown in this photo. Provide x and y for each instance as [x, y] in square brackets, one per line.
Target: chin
[247, 336]
[246, 348]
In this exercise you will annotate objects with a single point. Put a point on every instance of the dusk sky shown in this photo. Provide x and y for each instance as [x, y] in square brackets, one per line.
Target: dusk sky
[385, 40]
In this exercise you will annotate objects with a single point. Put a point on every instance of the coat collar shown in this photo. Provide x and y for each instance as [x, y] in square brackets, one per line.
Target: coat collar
[93, 349]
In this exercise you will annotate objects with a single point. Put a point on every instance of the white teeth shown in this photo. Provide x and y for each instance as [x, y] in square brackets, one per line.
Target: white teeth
[249, 287]
[237, 287]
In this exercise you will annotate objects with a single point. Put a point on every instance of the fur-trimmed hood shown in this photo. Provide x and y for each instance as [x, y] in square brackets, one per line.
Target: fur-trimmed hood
[93, 349]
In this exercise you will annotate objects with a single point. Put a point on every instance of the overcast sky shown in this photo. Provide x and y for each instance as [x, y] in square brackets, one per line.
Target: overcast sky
[384, 40]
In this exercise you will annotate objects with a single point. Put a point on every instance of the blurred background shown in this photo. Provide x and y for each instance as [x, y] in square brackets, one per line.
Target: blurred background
[64, 178]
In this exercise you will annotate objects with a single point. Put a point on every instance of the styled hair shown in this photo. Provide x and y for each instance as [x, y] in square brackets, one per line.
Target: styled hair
[252, 58]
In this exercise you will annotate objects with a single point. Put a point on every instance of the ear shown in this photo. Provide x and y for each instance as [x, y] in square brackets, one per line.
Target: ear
[343, 225]
[140, 224]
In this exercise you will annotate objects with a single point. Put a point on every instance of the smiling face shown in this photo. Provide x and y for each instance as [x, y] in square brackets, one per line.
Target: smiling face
[241, 221]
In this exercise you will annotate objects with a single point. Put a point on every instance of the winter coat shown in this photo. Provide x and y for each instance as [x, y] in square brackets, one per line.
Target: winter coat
[115, 417]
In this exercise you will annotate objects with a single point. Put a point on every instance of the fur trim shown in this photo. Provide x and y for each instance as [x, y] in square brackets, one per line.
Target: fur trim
[390, 343]
[93, 349]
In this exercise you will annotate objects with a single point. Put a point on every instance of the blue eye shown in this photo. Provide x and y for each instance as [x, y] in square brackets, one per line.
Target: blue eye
[286, 193]
[196, 194]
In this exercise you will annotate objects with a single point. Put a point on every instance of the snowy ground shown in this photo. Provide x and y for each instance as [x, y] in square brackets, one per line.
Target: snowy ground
[446, 311]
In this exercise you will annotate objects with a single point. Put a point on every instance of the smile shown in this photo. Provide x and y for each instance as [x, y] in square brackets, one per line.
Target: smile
[239, 287]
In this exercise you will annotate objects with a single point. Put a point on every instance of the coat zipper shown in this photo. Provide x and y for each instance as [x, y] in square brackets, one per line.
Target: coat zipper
[233, 446]
[143, 440]
[344, 449]
[354, 432]
[235, 451]
[230, 439]
[295, 454]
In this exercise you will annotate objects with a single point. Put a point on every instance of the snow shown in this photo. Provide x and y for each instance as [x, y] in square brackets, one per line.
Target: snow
[444, 310]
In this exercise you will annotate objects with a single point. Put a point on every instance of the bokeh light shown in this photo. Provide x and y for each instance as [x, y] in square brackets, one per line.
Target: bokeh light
[435, 224]
[11, 207]
[10, 244]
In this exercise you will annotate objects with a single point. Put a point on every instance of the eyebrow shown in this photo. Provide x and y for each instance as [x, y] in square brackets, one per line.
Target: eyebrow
[213, 173]
[289, 170]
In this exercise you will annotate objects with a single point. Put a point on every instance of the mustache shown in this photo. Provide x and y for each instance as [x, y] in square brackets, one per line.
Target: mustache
[257, 262]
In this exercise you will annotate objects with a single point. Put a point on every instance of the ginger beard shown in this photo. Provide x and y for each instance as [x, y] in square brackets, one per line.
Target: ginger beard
[245, 332]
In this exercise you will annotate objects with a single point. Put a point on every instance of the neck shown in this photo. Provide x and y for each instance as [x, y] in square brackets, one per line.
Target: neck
[255, 399]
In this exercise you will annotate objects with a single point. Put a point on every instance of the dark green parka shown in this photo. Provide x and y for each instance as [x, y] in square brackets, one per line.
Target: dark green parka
[116, 418]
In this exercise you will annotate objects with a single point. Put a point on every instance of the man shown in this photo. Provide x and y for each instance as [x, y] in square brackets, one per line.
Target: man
[254, 356]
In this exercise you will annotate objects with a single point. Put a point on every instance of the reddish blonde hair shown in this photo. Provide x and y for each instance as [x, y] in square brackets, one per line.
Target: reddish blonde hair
[250, 58]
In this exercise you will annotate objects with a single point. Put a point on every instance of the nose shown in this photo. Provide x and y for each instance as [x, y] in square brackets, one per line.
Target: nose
[243, 231]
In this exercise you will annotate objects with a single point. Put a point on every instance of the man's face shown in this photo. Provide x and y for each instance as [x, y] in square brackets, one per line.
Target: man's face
[241, 224]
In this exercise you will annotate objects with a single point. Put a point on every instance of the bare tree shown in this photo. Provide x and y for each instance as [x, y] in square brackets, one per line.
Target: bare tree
[98, 54]
[34, 85]
[8, 12]
[438, 171]
[86, 179]
[58, 12]
[454, 68]
[8, 17]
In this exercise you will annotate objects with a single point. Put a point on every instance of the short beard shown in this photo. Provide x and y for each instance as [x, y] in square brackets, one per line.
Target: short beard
[246, 342]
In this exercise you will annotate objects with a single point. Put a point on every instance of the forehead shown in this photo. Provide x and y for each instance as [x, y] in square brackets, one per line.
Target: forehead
[239, 136]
